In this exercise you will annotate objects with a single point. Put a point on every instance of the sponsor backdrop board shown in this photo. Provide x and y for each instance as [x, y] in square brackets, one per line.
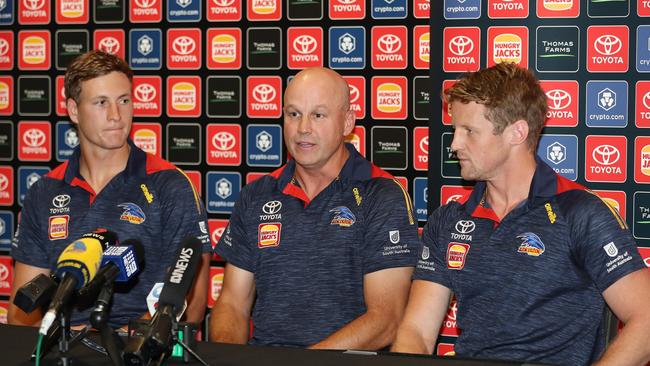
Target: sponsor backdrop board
[208, 87]
[593, 58]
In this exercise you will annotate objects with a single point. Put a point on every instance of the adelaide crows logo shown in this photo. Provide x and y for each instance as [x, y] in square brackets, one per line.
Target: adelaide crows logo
[531, 244]
[132, 213]
[343, 217]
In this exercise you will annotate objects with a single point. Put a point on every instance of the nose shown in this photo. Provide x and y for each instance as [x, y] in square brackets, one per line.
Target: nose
[304, 125]
[113, 112]
[456, 142]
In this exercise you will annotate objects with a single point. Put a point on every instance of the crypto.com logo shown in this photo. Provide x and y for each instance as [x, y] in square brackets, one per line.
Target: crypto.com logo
[305, 44]
[33, 4]
[461, 45]
[109, 45]
[223, 141]
[264, 93]
[145, 3]
[145, 92]
[389, 43]
[608, 45]
[560, 99]
[184, 45]
[606, 154]
[34, 137]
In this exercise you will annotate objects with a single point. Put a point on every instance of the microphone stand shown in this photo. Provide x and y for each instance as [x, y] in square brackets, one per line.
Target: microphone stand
[64, 342]
[99, 320]
[175, 339]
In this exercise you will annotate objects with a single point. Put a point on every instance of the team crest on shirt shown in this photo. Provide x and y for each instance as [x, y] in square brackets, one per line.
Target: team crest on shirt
[268, 234]
[531, 244]
[343, 217]
[132, 213]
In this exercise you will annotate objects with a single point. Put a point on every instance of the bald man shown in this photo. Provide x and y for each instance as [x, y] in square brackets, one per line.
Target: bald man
[320, 252]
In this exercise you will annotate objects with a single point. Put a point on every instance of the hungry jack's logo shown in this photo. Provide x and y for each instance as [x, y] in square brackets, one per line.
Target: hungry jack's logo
[508, 44]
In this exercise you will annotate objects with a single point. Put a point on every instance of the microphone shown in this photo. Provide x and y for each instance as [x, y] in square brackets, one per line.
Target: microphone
[157, 338]
[76, 266]
[35, 293]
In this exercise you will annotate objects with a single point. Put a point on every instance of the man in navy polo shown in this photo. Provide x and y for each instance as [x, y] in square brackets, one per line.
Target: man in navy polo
[321, 250]
[109, 183]
[532, 258]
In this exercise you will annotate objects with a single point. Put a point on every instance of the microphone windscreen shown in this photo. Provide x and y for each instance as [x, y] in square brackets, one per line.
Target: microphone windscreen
[126, 258]
[80, 259]
[181, 275]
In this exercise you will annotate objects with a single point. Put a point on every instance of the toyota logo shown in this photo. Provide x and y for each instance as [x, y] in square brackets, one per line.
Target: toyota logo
[145, 92]
[61, 200]
[4, 182]
[560, 99]
[33, 4]
[184, 45]
[453, 310]
[461, 45]
[346, 2]
[272, 207]
[608, 45]
[354, 94]
[4, 272]
[217, 233]
[223, 141]
[109, 45]
[264, 93]
[606, 154]
[34, 137]
[4, 47]
[646, 100]
[305, 44]
[389, 43]
[465, 227]
[223, 2]
[424, 144]
[145, 3]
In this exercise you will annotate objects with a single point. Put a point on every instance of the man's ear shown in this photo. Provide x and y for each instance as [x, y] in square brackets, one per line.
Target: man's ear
[518, 131]
[73, 110]
[350, 121]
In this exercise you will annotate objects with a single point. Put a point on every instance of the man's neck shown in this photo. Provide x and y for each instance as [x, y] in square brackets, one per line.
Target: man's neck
[506, 191]
[314, 180]
[99, 167]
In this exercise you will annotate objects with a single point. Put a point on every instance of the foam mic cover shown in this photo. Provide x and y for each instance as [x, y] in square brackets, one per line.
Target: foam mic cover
[181, 275]
[76, 266]
[128, 257]
[105, 237]
[80, 260]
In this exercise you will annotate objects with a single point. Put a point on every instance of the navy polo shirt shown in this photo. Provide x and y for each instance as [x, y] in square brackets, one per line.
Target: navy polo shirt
[529, 287]
[309, 257]
[151, 200]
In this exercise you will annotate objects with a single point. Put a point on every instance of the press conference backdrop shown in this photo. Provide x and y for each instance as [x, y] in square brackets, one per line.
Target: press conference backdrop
[593, 57]
[208, 88]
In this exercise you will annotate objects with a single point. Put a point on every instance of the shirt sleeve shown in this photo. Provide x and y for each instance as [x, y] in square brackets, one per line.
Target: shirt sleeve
[29, 245]
[602, 243]
[391, 237]
[183, 214]
[234, 245]
[432, 262]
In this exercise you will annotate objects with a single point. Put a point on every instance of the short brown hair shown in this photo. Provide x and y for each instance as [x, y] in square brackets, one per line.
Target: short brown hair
[90, 65]
[509, 93]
